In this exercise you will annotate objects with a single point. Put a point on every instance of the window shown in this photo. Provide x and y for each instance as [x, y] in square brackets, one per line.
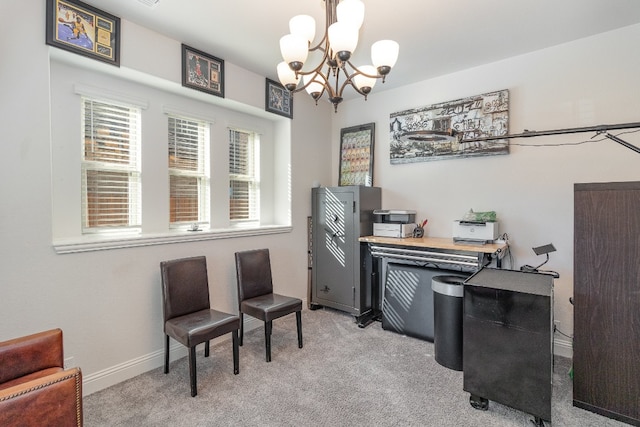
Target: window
[110, 166]
[188, 171]
[244, 176]
[126, 127]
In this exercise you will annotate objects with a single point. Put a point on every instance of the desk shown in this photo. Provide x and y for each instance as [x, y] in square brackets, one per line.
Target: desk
[438, 250]
[431, 255]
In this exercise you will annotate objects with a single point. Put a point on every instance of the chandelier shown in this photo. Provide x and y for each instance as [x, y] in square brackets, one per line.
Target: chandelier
[343, 21]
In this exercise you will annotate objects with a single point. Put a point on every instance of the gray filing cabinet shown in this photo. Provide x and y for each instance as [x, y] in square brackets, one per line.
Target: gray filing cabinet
[341, 267]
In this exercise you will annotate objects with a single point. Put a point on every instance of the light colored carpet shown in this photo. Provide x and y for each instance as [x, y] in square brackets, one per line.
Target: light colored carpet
[344, 376]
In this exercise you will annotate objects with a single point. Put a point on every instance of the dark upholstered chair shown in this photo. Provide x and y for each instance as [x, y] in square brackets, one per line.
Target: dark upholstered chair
[256, 297]
[35, 389]
[188, 317]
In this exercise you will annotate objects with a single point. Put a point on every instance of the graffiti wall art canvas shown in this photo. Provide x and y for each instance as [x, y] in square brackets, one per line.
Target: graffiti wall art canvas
[452, 129]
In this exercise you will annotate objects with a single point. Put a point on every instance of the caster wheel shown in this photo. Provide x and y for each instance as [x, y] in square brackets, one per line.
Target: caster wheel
[479, 403]
[538, 422]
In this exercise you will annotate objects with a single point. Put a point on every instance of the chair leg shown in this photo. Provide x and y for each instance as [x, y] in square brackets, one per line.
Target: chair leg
[236, 358]
[267, 338]
[206, 349]
[166, 355]
[299, 325]
[192, 371]
[241, 329]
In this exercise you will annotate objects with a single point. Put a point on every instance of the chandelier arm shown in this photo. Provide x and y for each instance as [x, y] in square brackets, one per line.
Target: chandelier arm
[318, 71]
[349, 81]
[354, 88]
[357, 70]
[326, 87]
[318, 67]
[324, 43]
[305, 85]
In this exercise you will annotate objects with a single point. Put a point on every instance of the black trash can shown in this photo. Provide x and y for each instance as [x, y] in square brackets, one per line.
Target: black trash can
[448, 292]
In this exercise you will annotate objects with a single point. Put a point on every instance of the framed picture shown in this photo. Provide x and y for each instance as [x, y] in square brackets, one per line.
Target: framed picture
[80, 28]
[278, 99]
[440, 131]
[202, 71]
[356, 155]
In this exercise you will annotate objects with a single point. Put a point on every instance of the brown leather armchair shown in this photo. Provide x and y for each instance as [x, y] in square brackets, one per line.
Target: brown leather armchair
[35, 389]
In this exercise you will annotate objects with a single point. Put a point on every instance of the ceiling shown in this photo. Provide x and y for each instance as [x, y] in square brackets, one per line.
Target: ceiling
[436, 37]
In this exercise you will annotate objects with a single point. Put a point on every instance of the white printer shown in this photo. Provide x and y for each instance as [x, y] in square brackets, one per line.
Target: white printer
[478, 232]
[394, 223]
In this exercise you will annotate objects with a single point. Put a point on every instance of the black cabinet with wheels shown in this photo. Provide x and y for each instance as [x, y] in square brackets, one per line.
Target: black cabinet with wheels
[508, 340]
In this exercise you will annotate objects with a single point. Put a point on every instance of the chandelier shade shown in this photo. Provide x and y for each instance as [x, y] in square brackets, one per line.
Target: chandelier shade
[364, 83]
[304, 26]
[314, 85]
[287, 76]
[384, 54]
[351, 12]
[294, 50]
[334, 72]
[343, 39]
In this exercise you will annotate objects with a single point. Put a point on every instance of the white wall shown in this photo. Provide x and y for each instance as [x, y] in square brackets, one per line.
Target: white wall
[108, 303]
[589, 82]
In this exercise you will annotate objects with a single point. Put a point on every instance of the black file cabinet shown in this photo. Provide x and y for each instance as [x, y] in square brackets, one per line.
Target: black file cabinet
[508, 340]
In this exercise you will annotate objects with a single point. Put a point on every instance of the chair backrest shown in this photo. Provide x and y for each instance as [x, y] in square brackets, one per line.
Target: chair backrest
[28, 354]
[185, 286]
[253, 271]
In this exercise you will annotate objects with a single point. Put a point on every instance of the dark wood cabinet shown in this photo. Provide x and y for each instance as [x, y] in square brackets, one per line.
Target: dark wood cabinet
[606, 348]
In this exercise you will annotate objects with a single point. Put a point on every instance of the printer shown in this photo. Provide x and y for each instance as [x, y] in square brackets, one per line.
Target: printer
[393, 223]
[478, 232]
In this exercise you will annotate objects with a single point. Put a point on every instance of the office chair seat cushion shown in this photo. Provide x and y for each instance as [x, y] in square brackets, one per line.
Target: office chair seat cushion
[270, 306]
[200, 326]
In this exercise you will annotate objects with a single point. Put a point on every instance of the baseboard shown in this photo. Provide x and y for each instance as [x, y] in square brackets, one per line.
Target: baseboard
[121, 372]
[563, 348]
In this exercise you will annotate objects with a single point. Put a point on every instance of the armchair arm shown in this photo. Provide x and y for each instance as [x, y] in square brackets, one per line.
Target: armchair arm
[25, 355]
[53, 400]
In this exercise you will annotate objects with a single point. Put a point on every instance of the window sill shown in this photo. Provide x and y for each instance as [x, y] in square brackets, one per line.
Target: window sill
[104, 242]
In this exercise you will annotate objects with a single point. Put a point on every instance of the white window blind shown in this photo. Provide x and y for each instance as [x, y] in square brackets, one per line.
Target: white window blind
[244, 176]
[188, 171]
[111, 166]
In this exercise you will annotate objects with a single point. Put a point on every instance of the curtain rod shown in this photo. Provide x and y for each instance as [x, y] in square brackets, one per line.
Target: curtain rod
[598, 129]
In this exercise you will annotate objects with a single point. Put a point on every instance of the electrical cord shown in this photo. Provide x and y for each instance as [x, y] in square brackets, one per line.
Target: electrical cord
[508, 254]
[562, 333]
